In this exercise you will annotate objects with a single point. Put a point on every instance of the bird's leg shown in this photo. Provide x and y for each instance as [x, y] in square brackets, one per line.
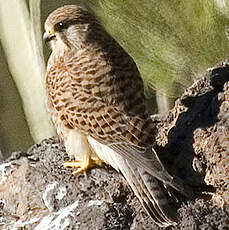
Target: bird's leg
[78, 148]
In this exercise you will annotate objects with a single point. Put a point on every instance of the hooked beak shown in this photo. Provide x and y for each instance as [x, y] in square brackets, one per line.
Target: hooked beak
[48, 37]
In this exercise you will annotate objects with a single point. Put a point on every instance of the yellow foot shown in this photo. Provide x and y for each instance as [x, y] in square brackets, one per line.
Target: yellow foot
[81, 165]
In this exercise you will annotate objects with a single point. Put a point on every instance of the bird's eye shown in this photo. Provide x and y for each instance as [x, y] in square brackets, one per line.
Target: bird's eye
[60, 26]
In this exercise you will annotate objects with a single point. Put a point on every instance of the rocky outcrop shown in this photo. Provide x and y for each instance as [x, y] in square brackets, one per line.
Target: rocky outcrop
[37, 192]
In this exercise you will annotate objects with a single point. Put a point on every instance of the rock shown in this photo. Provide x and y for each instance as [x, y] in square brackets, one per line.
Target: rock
[193, 139]
[37, 192]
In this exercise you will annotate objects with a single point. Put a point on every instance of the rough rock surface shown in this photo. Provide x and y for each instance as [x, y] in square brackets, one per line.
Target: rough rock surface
[193, 140]
[37, 192]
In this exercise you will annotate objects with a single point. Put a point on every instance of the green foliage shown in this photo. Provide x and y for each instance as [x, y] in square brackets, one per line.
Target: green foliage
[171, 41]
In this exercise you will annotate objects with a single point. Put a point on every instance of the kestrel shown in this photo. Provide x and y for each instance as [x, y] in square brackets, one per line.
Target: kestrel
[95, 96]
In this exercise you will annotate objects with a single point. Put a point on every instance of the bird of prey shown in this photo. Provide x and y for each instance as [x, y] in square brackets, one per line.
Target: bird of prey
[95, 96]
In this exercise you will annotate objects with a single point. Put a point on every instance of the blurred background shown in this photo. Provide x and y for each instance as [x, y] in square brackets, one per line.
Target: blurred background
[173, 43]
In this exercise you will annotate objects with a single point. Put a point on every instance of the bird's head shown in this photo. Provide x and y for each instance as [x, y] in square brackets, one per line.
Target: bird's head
[68, 27]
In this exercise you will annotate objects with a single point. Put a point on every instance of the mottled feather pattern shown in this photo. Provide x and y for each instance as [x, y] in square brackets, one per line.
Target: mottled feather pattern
[91, 100]
[95, 93]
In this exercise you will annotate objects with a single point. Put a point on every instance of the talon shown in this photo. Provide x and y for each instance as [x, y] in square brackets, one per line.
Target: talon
[78, 171]
[80, 165]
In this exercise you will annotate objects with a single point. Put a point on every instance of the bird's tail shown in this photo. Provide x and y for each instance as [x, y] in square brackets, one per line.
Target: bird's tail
[149, 190]
[151, 193]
